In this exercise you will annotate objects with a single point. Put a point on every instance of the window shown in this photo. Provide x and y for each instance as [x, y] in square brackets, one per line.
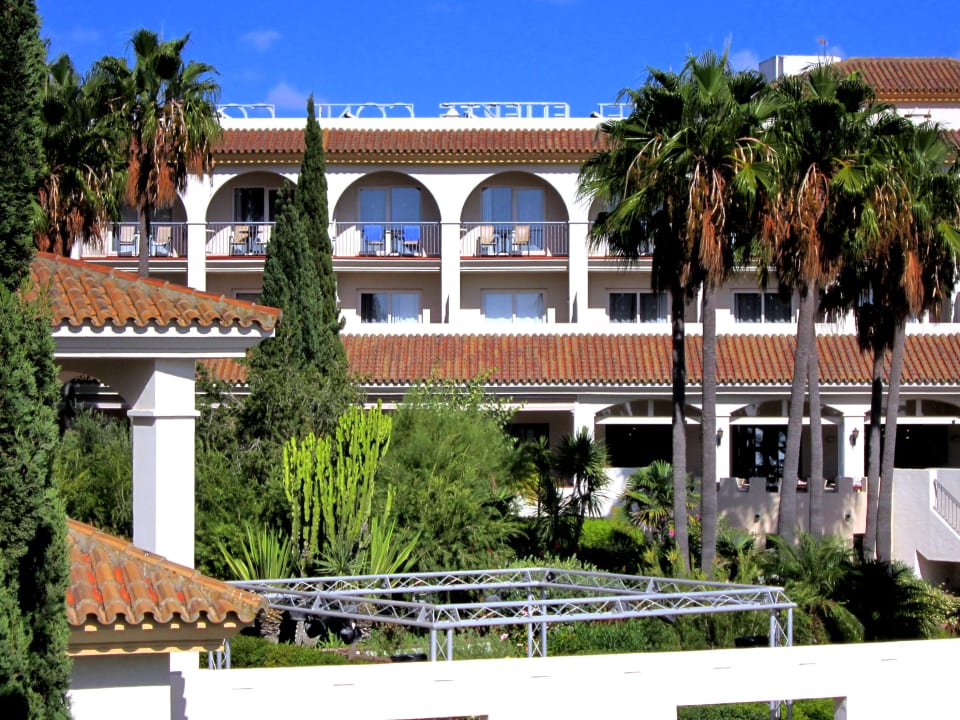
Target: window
[529, 432]
[631, 307]
[390, 307]
[398, 205]
[254, 205]
[638, 445]
[758, 450]
[250, 296]
[761, 307]
[515, 205]
[513, 307]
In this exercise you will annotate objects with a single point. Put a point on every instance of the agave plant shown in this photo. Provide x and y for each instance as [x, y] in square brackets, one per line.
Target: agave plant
[264, 554]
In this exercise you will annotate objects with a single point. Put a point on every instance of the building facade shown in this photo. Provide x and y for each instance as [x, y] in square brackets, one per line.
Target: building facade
[461, 249]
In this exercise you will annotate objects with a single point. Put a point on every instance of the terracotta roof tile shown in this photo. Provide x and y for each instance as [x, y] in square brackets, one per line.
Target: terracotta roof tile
[110, 579]
[86, 294]
[902, 79]
[612, 359]
[356, 144]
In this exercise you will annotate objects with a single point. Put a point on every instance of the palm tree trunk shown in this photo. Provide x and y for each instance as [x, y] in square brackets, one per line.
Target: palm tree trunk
[708, 489]
[885, 501]
[815, 486]
[787, 523]
[679, 448]
[873, 461]
[143, 249]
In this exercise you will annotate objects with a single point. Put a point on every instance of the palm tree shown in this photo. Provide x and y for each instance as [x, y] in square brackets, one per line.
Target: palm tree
[644, 207]
[911, 238]
[812, 571]
[167, 110]
[683, 164]
[821, 127]
[582, 460]
[725, 167]
[647, 501]
[79, 194]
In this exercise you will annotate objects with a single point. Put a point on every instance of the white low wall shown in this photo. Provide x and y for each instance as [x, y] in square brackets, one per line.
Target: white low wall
[754, 509]
[870, 681]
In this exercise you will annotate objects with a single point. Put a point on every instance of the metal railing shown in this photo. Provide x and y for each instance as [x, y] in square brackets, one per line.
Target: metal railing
[946, 506]
[224, 240]
[480, 239]
[238, 239]
[372, 239]
[167, 239]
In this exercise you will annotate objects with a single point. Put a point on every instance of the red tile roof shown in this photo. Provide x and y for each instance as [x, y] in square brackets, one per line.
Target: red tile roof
[111, 580]
[83, 293]
[363, 145]
[909, 79]
[610, 359]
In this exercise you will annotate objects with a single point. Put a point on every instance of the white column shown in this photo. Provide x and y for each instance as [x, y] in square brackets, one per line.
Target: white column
[578, 271]
[723, 446]
[163, 417]
[851, 443]
[449, 272]
[195, 200]
[585, 415]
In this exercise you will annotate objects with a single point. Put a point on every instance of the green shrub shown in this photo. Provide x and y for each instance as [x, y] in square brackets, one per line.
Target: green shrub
[254, 652]
[612, 636]
[611, 545]
[821, 709]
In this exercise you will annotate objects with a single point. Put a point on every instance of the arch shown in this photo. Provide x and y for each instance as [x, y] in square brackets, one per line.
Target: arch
[241, 213]
[515, 212]
[386, 212]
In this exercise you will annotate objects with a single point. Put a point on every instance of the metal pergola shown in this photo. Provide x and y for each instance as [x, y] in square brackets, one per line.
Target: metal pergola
[443, 602]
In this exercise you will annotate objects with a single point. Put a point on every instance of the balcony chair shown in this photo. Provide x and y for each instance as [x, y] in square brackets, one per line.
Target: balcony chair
[256, 244]
[372, 240]
[521, 240]
[161, 244]
[240, 240]
[127, 243]
[488, 240]
[410, 239]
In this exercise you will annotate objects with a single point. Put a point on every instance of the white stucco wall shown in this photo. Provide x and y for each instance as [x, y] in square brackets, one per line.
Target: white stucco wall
[881, 680]
[118, 687]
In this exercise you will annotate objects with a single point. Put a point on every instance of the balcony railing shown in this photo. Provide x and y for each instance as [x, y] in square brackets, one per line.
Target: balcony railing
[238, 239]
[224, 240]
[373, 239]
[123, 240]
[494, 239]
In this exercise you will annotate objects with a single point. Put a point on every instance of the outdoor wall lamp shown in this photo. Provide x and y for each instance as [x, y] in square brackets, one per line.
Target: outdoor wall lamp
[719, 436]
[853, 437]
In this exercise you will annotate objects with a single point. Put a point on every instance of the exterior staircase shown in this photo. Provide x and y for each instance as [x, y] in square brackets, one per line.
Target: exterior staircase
[946, 506]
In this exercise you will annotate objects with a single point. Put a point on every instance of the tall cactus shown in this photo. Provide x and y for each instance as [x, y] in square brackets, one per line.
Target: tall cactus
[303, 466]
[330, 484]
[346, 494]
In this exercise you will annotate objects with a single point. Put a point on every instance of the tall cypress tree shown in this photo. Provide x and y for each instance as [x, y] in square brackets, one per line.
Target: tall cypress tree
[22, 64]
[34, 667]
[312, 200]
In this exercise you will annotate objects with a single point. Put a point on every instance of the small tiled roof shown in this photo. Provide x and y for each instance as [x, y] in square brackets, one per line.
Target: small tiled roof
[84, 293]
[612, 359]
[384, 145]
[908, 79]
[113, 581]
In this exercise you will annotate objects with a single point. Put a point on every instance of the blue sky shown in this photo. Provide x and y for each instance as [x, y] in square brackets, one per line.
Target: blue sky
[430, 51]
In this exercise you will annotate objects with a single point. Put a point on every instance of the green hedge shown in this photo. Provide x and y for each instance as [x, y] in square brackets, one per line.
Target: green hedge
[821, 709]
[254, 652]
